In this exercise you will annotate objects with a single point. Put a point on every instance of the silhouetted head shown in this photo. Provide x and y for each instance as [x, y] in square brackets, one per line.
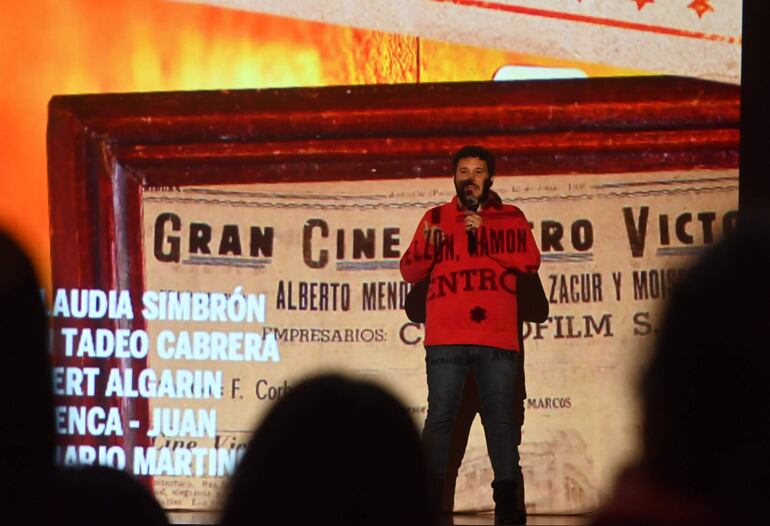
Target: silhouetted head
[706, 391]
[332, 451]
[26, 398]
[98, 496]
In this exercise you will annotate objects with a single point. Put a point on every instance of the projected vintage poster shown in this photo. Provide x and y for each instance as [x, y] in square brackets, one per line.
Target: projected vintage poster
[248, 239]
[324, 258]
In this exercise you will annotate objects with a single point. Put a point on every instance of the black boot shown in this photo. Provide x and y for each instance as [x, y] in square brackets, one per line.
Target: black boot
[441, 506]
[509, 506]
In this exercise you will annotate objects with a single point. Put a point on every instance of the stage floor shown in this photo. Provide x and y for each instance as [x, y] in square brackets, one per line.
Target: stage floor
[460, 519]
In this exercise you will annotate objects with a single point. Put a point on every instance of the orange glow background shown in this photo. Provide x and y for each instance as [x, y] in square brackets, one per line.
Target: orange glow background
[50, 47]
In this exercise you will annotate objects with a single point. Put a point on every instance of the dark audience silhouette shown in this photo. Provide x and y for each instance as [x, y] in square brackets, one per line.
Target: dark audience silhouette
[332, 451]
[26, 420]
[32, 489]
[99, 496]
[705, 396]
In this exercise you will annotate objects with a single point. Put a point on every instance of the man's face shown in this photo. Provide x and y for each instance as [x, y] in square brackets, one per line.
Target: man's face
[472, 179]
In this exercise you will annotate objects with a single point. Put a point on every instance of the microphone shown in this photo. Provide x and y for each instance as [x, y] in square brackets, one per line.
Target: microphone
[472, 204]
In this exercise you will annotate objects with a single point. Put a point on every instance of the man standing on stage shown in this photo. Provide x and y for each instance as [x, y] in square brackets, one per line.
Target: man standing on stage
[472, 248]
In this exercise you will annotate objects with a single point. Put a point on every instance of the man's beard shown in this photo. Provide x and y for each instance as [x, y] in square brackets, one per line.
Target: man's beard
[463, 197]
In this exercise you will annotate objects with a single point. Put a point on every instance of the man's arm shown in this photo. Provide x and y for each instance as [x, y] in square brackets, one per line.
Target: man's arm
[524, 256]
[418, 259]
[532, 303]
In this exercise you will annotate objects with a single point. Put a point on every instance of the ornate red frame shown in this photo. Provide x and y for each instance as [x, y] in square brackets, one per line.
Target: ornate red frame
[104, 150]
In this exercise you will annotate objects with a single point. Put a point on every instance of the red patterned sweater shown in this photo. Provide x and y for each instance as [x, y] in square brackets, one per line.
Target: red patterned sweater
[472, 298]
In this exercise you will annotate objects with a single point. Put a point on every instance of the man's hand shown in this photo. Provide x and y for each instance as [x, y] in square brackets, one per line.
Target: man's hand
[431, 233]
[472, 221]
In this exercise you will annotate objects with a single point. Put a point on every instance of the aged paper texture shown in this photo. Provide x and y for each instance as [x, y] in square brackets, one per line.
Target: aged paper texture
[325, 256]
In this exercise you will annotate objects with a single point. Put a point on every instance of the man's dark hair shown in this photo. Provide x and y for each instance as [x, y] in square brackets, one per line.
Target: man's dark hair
[477, 152]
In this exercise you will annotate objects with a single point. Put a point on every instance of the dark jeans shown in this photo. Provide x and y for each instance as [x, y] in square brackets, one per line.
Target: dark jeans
[495, 369]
